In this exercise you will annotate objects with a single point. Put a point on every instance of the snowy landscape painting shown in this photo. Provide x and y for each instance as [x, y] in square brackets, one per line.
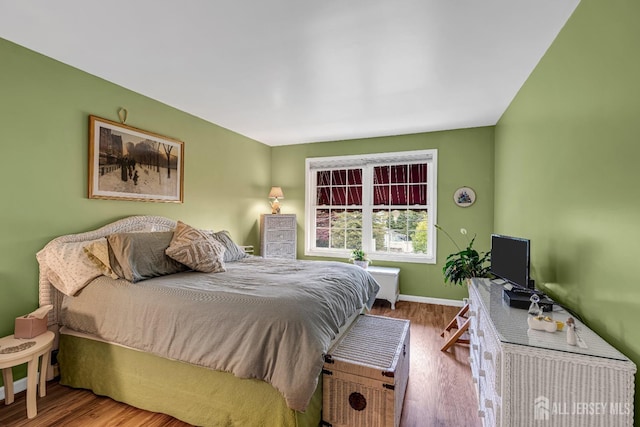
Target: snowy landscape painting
[131, 164]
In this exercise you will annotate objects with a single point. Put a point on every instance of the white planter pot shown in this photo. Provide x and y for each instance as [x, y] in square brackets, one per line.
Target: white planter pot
[362, 264]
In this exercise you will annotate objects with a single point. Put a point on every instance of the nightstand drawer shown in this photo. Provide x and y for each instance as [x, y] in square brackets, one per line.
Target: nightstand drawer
[281, 250]
[281, 235]
[280, 222]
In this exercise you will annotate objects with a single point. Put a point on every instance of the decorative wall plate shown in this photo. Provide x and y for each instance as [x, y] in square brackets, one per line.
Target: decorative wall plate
[464, 197]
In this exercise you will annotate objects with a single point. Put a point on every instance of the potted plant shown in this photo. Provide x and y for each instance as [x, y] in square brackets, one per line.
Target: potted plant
[359, 258]
[466, 263]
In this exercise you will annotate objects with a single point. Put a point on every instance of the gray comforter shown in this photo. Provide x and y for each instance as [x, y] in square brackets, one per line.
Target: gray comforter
[262, 318]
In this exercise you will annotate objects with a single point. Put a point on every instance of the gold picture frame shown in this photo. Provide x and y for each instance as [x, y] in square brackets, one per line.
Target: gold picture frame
[126, 163]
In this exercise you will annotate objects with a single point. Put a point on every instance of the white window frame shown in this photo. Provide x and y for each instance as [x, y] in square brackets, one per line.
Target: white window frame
[367, 162]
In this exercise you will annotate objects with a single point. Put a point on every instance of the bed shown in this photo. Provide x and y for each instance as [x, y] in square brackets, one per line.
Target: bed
[231, 340]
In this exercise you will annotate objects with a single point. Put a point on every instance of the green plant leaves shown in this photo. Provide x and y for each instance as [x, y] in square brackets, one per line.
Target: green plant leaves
[358, 255]
[466, 264]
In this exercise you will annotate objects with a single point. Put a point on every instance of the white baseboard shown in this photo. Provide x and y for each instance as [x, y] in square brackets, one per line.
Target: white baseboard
[429, 300]
[18, 386]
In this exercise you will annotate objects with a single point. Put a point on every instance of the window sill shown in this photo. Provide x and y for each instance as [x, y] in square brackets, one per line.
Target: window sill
[372, 257]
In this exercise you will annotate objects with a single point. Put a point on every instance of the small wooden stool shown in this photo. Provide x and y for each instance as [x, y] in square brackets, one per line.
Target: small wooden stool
[14, 352]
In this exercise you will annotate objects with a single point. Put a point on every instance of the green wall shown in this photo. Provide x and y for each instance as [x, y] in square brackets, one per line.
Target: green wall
[566, 169]
[465, 158]
[44, 109]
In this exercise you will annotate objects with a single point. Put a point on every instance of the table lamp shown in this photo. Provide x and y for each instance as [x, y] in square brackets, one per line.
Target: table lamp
[276, 194]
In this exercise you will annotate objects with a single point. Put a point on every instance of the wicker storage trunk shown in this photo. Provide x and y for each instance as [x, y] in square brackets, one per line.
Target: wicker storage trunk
[365, 374]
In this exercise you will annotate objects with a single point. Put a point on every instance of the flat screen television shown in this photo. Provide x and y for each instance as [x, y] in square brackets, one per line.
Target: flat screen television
[510, 260]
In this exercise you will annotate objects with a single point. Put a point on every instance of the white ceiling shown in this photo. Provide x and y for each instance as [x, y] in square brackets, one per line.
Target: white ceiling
[296, 71]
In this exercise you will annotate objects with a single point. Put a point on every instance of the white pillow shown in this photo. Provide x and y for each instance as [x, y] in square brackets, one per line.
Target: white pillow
[71, 267]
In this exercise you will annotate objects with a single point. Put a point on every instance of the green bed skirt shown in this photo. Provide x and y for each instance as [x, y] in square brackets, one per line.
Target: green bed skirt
[193, 394]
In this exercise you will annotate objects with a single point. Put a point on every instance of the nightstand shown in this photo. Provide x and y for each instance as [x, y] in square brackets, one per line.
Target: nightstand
[278, 236]
[387, 278]
[14, 352]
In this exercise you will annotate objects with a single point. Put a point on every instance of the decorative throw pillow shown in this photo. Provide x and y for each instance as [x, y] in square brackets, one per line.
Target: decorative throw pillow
[196, 249]
[98, 253]
[140, 256]
[233, 252]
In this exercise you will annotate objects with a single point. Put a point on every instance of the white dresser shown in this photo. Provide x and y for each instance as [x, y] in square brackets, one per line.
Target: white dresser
[387, 278]
[528, 377]
[278, 236]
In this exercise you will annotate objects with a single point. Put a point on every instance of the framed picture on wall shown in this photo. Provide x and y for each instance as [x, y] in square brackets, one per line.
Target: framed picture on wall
[126, 163]
[464, 197]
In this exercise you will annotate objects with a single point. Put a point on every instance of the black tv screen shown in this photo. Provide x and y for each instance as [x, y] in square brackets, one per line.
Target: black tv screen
[510, 259]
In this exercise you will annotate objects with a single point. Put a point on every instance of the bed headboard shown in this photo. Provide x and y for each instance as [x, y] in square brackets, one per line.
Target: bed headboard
[48, 294]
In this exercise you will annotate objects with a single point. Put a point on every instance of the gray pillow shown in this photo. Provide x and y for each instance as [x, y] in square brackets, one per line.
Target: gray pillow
[140, 256]
[233, 252]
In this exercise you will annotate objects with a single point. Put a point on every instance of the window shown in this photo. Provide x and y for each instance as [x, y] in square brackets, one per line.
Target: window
[382, 203]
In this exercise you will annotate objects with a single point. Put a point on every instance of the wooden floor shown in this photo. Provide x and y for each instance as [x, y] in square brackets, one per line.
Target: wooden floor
[440, 391]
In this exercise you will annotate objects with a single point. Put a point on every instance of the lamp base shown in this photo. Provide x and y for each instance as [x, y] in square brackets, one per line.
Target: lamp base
[275, 207]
